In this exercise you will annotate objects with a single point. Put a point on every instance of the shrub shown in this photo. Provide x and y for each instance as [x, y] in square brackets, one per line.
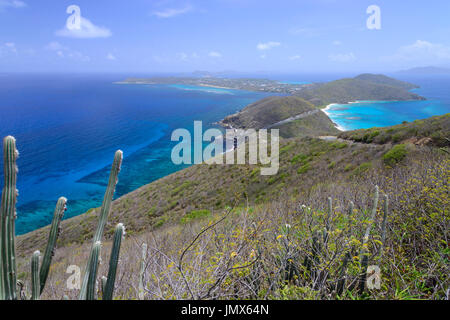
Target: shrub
[363, 167]
[195, 214]
[395, 155]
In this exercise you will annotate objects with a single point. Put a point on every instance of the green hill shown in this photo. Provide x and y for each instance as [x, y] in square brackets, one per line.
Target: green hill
[363, 87]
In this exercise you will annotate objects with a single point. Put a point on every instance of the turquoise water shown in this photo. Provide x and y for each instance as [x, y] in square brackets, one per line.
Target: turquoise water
[367, 114]
[69, 126]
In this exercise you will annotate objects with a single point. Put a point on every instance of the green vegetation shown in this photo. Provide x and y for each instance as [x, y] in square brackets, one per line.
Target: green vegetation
[195, 214]
[431, 131]
[395, 155]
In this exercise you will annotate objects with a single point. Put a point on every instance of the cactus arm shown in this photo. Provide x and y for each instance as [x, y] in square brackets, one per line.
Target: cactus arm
[49, 250]
[8, 216]
[114, 259]
[35, 287]
[93, 267]
[142, 273]
[106, 206]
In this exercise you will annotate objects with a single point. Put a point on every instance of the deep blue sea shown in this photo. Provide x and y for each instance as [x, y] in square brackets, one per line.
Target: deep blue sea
[69, 126]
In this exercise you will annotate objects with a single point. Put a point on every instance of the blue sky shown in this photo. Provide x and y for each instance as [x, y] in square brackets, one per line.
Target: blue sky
[242, 35]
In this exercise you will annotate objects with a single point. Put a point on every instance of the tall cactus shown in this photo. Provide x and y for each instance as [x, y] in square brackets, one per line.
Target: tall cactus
[113, 260]
[7, 223]
[35, 287]
[49, 250]
[93, 267]
[104, 212]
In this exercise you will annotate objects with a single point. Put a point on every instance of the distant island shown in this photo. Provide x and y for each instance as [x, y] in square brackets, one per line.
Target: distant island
[249, 84]
[426, 71]
[363, 87]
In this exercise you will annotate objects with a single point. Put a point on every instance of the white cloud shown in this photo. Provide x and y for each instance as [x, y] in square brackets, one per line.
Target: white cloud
[171, 12]
[342, 57]
[87, 30]
[296, 57]
[5, 4]
[111, 57]
[267, 45]
[215, 54]
[337, 43]
[421, 52]
[263, 56]
[65, 52]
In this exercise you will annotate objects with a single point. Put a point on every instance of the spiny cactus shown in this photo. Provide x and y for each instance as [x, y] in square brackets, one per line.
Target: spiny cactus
[104, 212]
[113, 260]
[7, 223]
[50, 249]
[93, 267]
[35, 286]
[142, 273]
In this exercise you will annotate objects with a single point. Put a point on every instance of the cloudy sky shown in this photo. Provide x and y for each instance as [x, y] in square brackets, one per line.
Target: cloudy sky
[242, 35]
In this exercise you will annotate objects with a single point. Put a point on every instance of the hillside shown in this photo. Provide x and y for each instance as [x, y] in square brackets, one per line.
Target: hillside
[267, 237]
[431, 131]
[292, 115]
[363, 87]
[382, 79]
[305, 164]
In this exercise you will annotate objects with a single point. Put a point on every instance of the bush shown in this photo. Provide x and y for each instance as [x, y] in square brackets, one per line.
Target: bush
[395, 155]
[195, 214]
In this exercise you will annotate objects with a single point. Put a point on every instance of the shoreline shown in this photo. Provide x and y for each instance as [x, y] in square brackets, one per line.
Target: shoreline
[336, 125]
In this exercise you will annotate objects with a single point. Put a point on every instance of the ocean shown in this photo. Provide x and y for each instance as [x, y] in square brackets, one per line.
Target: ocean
[69, 126]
